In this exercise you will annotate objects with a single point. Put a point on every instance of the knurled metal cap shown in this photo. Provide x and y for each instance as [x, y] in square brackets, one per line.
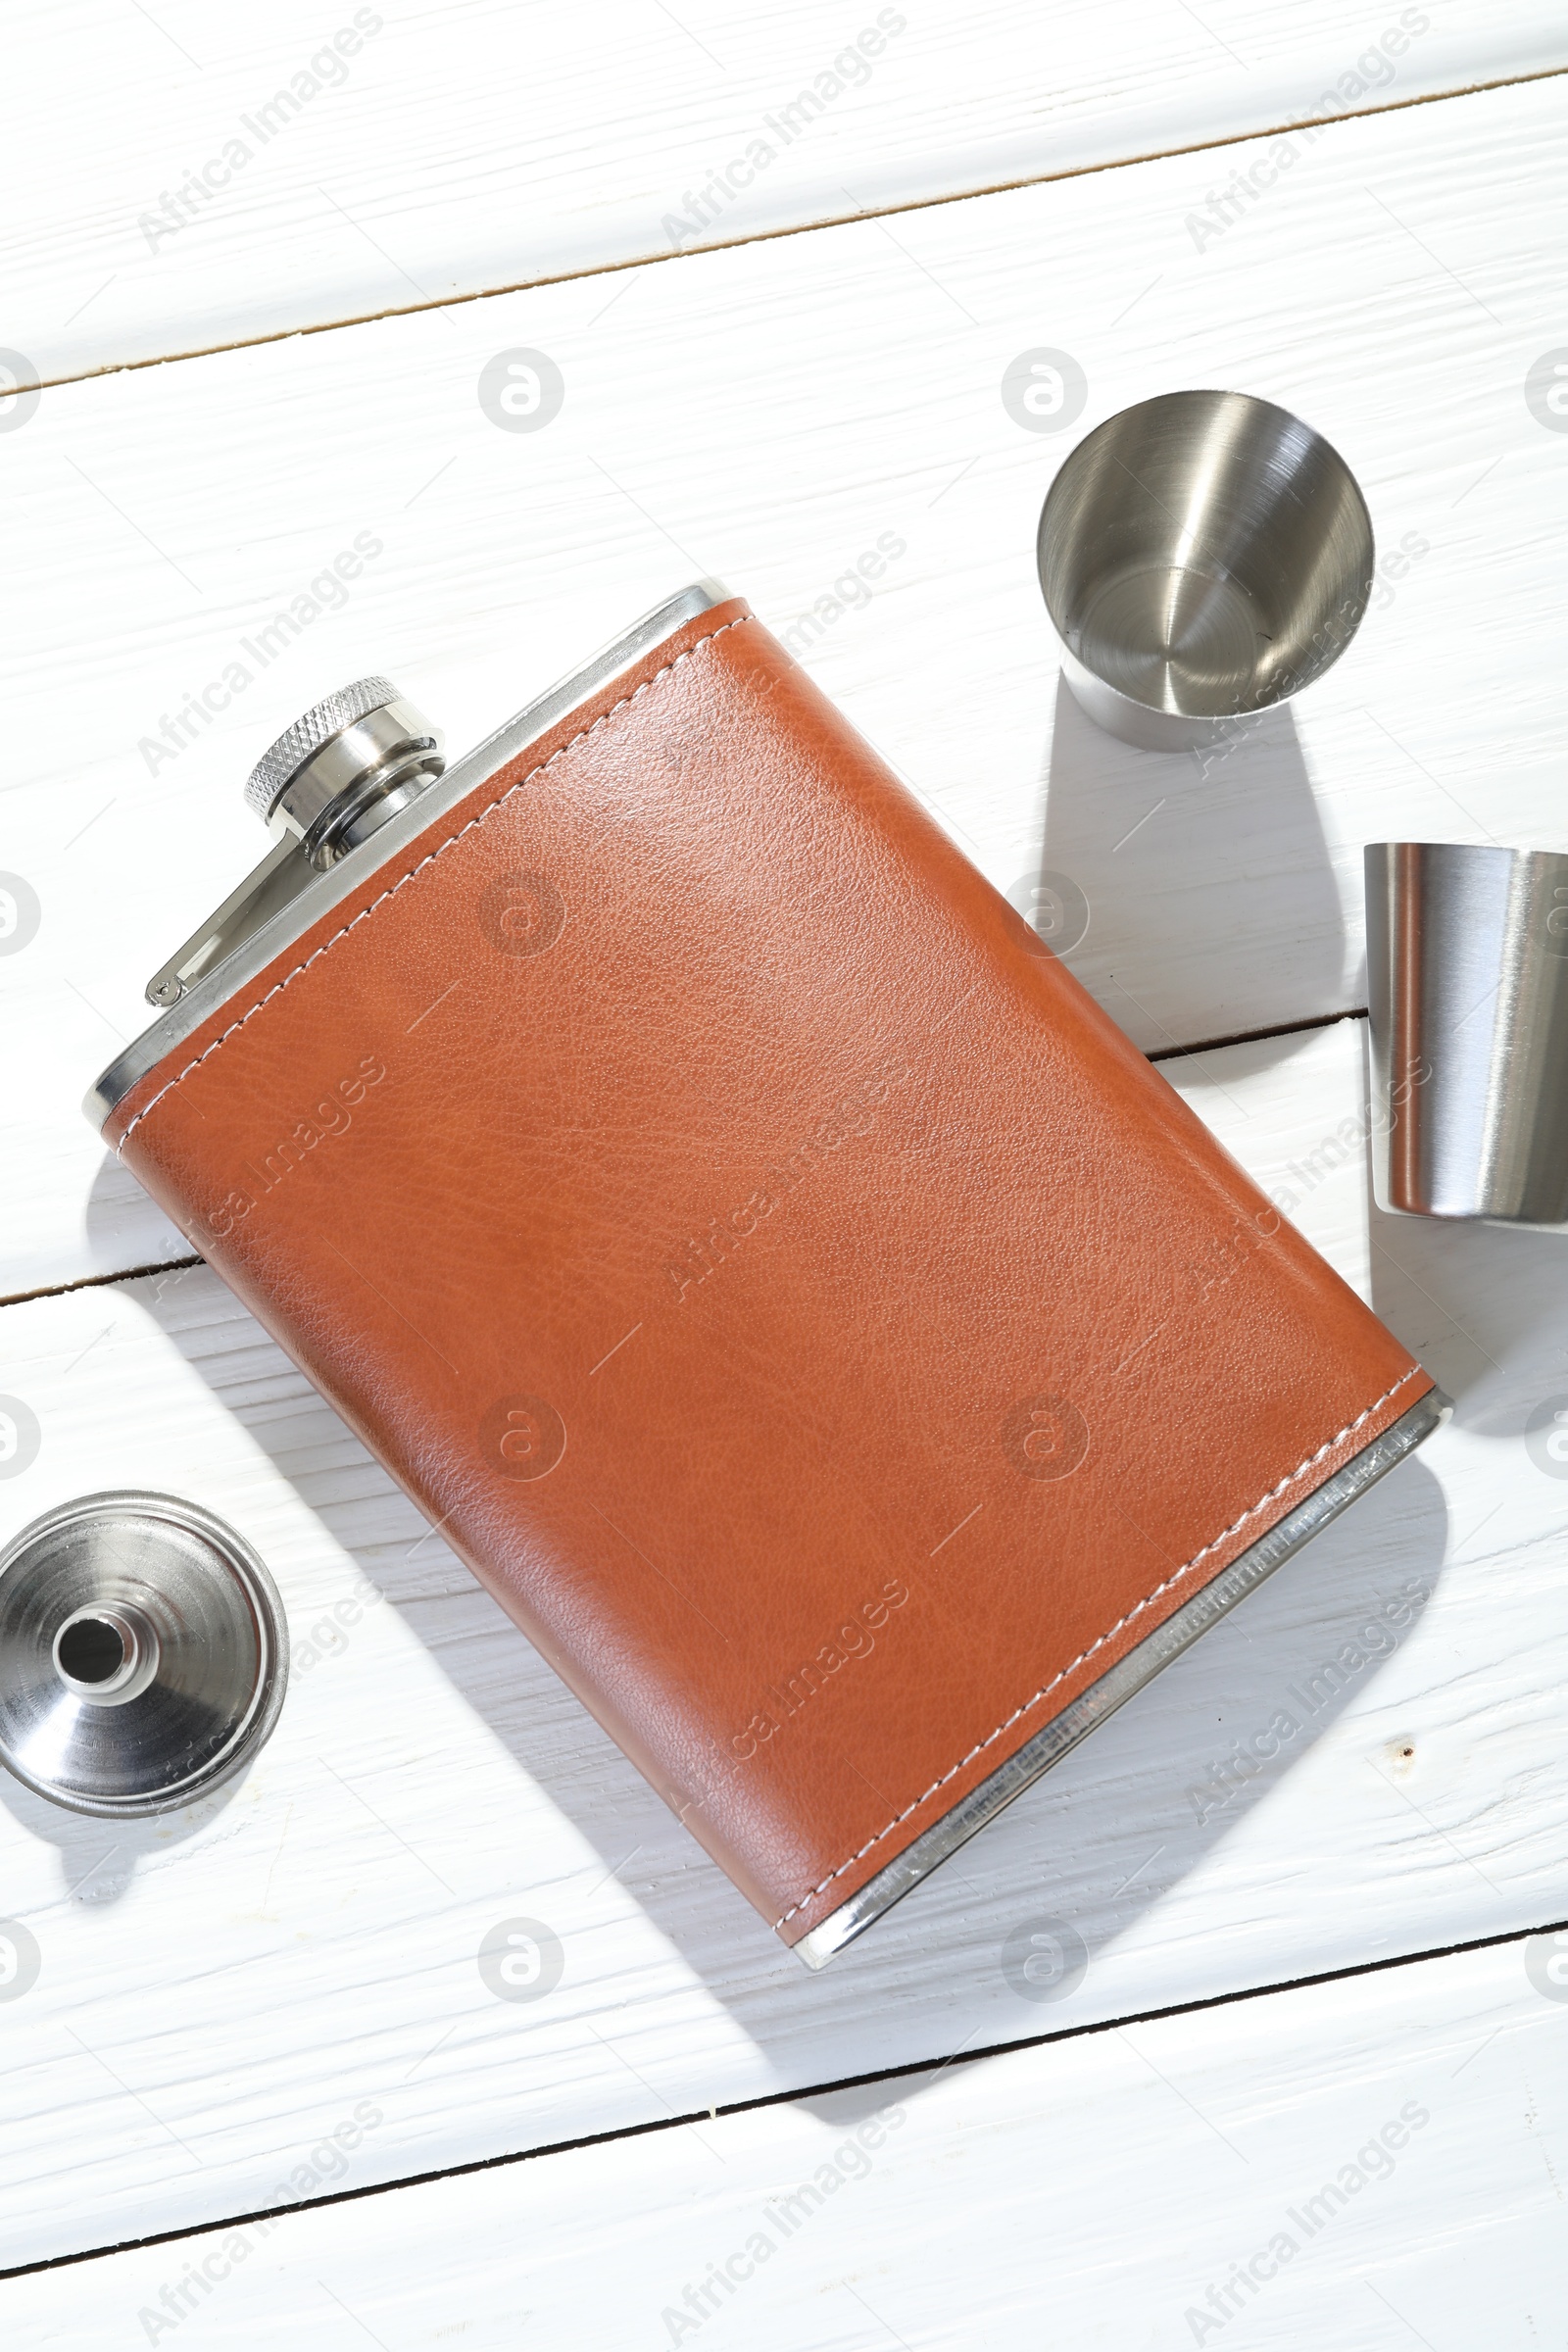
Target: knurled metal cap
[284, 760]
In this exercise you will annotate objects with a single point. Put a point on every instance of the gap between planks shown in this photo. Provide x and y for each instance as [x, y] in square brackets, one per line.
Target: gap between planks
[96, 1282]
[1207, 1045]
[805, 228]
[786, 2098]
[1253, 1037]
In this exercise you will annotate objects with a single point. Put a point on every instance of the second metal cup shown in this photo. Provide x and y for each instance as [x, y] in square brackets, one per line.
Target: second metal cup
[1467, 978]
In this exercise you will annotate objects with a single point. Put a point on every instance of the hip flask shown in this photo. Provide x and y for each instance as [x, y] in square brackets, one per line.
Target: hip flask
[827, 1337]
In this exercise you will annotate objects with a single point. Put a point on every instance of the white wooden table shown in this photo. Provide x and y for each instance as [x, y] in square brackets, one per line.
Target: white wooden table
[1310, 2086]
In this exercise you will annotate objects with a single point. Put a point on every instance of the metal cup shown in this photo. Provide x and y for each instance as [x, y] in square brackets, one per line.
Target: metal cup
[1203, 555]
[1467, 974]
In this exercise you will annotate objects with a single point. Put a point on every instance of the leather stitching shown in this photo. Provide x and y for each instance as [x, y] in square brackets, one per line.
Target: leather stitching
[1109, 1635]
[429, 859]
[1111, 1632]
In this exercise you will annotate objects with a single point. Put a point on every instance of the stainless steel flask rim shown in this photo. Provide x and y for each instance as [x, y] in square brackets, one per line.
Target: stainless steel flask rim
[1160, 594]
[1141, 1664]
[144, 1654]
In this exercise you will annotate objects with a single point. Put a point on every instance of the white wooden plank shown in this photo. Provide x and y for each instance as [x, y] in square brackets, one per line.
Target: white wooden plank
[772, 413]
[230, 175]
[220, 1991]
[1371, 2164]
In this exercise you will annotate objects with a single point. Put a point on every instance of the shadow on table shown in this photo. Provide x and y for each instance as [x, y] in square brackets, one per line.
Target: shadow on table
[99, 1859]
[1109, 1832]
[1203, 881]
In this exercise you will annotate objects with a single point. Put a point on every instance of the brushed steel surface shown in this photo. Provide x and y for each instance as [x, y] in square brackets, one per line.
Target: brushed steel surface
[356, 779]
[267, 889]
[1203, 555]
[1048, 1746]
[337, 775]
[281, 760]
[1467, 982]
[142, 1653]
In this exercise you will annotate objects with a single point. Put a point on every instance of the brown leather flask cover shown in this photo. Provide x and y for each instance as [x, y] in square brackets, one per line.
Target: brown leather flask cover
[814, 1322]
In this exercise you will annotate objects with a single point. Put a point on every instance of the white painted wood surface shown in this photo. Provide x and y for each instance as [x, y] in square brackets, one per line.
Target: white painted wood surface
[1384, 2157]
[220, 1990]
[276, 1996]
[228, 175]
[769, 414]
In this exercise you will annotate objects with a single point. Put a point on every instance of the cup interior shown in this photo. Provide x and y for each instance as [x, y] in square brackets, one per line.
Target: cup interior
[1205, 553]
